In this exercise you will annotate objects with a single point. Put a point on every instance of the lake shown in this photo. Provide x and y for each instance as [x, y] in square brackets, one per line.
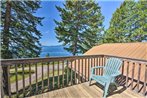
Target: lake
[54, 51]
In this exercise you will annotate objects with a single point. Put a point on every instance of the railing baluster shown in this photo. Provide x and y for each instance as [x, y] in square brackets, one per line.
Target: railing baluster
[42, 77]
[36, 74]
[53, 76]
[82, 71]
[58, 74]
[85, 68]
[16, 77]
[67, 72]
[1, 82]
[105, 58]
[63, 73]
[97, 65]
[48, 74]
[132, 78]
[9, 83]
[23, 79]
[91, 62]
[89, 67]
[122, 71]
[71, 75]
[30, 78]
[127, 74]
[99, 70]
[138, 80]
[78, 71]
[102, 64]
[75, 65]
[94, 64]
[122, 77]
[145, 80]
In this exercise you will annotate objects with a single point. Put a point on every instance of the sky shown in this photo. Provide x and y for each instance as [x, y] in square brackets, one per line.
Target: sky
[49, 12]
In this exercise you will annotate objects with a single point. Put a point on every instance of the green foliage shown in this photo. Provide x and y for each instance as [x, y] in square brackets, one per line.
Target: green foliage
[20, 37]
[129, 23]
[81, 25]
[47, 55]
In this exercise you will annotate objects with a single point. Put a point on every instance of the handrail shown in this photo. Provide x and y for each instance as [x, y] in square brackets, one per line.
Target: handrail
[33, 60]
[127, 58]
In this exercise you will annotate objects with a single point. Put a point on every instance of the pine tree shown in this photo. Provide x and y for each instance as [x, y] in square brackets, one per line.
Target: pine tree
[128, 23]
[20, 37]
[47, 55]
[81, 25]
[139, 22]
[118, 29]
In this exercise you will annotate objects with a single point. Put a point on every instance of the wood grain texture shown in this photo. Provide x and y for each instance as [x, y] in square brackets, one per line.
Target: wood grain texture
[83, 90]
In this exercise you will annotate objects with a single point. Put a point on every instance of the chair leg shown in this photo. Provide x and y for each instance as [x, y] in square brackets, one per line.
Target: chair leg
[106, 89]
[90, 81]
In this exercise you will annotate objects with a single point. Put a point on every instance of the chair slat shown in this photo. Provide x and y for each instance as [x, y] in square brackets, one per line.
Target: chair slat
[111, 67]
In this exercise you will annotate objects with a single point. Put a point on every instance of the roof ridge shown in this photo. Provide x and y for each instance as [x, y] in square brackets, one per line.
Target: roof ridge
[124, 43]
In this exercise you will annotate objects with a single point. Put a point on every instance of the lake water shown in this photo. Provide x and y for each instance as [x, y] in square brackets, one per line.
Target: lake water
[54, 51]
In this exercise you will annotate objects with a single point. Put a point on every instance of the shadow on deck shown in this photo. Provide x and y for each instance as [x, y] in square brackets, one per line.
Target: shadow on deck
[83, 90]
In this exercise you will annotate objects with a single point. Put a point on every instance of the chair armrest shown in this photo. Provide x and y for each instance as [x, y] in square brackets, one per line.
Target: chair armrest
[92, 69]
[97, 67]
[116, 74]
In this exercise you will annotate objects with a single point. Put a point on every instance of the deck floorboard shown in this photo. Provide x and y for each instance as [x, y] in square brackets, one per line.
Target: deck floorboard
[83, 90]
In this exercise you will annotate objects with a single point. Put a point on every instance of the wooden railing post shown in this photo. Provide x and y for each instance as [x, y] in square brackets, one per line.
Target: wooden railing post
[1, 83]
[127, 74]
[5, 80]
[145, 79]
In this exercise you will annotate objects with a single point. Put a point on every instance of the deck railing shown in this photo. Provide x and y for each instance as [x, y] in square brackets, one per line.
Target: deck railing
[27, 77]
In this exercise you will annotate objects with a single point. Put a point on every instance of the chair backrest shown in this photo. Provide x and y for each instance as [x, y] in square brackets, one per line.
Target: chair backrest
[112, 66]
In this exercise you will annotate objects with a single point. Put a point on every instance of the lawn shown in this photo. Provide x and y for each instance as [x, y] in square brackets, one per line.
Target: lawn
[26, 71]
[19, 74]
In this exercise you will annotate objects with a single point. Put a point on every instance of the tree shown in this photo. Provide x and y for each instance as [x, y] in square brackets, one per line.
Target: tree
[117, 32]
[139, 22]
[20, 37]
[81, 25]
[128, 23]
[47, 55]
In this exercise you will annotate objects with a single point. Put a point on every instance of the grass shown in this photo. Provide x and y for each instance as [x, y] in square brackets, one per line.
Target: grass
[26, 71]
[32, 91]
[19, 74]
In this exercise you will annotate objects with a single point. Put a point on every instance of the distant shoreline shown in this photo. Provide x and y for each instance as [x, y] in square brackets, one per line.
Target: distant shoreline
[54, 51]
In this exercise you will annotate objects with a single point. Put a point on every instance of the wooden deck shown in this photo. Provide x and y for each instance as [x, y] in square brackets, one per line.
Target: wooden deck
[83, 90]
